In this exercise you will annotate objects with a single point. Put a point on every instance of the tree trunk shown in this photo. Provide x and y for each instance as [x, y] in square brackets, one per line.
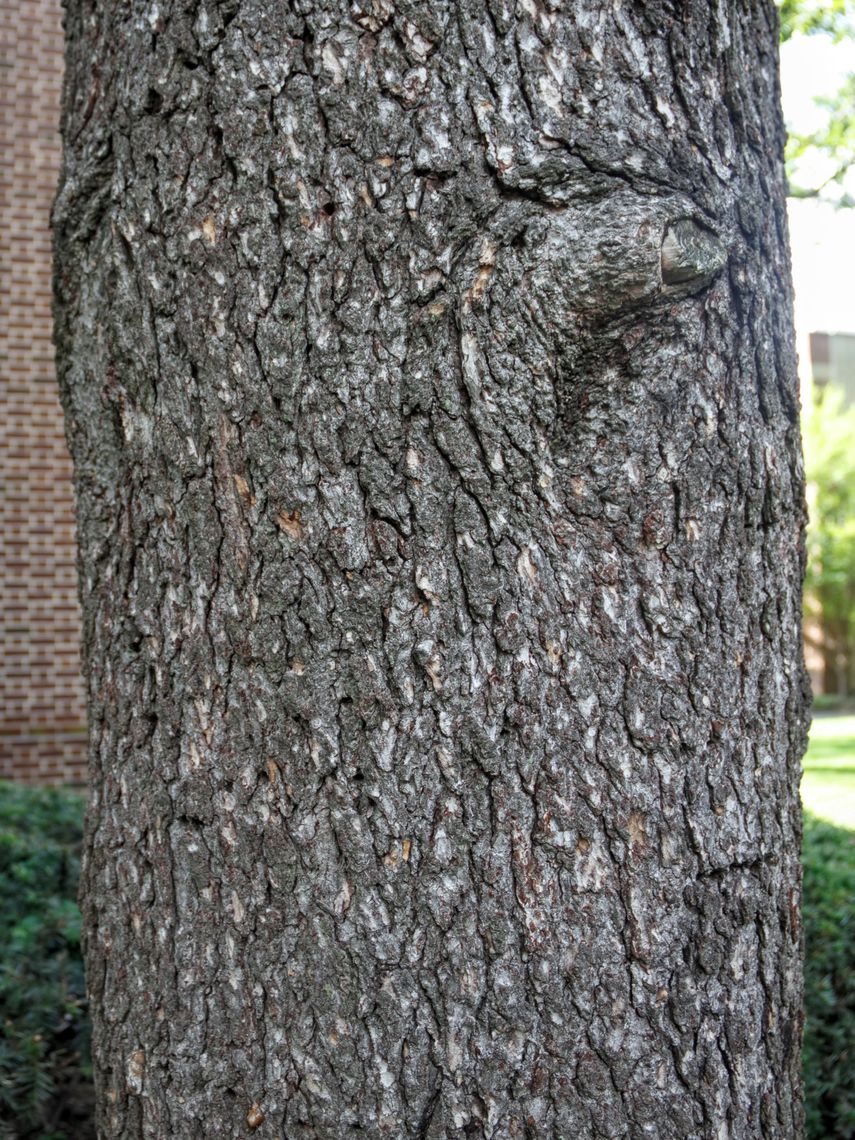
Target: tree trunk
[430, 383]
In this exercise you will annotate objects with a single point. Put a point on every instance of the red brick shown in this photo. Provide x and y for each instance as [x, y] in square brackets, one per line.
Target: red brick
[41, 693]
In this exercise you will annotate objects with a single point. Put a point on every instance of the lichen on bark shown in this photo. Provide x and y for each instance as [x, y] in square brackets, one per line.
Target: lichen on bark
[429, 378]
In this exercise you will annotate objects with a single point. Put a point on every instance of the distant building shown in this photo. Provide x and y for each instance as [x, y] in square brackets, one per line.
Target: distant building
[832, 361]
[42, 720]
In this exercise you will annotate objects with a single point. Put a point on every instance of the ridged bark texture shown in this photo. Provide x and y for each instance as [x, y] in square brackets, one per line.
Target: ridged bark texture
[430, 383]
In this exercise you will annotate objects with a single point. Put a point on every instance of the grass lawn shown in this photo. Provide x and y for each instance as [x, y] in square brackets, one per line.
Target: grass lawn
[828, 784]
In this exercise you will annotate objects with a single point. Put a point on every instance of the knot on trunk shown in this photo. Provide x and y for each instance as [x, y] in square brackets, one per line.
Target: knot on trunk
[691, 254]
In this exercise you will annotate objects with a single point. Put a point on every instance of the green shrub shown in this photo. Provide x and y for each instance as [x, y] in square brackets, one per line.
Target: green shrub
[829, 1051]
[45, 1074]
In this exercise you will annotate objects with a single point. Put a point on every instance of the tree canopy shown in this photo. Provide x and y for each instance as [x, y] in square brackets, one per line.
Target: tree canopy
[834, 140]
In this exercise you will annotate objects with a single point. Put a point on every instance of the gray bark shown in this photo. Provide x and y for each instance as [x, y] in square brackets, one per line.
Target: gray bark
[430, 383]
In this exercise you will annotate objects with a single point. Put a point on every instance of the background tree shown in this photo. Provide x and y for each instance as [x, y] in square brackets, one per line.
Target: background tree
[430, 384]
[829, 428]
[832, 17]
[834, 141]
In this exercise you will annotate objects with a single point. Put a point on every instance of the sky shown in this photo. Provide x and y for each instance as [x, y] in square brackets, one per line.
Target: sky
[822, 237]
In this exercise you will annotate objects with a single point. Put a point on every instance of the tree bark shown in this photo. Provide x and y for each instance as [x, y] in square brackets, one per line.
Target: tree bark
[430, 383]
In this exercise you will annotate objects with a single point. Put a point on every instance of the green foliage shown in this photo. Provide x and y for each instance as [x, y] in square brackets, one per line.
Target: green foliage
[829, 1050]
[835, 140]
[835, 18]
[45, 1086]
[829, 429]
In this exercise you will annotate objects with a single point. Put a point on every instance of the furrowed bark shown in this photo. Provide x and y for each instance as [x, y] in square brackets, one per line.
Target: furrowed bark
[430, 383]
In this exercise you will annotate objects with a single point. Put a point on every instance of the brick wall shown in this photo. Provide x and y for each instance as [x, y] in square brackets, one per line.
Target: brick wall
[42, 734]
